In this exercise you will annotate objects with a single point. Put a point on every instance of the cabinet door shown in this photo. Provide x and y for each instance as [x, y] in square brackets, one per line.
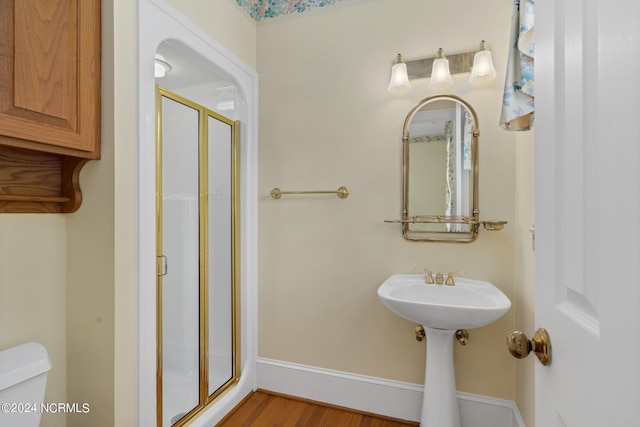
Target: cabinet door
[50, 76]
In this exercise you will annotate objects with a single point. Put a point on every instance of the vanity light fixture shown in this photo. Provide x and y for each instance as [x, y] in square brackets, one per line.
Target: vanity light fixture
[162, 66]
[440, 69]
[440, 74]
[399, 79]
[483, 70]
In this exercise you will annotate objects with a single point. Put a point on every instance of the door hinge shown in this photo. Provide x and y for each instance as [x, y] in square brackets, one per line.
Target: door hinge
[162, 265]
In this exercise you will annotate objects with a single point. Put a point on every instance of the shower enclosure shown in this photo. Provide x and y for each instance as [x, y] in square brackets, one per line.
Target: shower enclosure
[208, 78]
[197, 205]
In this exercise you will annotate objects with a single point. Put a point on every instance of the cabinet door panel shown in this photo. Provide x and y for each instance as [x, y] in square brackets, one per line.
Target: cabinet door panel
[50, 67]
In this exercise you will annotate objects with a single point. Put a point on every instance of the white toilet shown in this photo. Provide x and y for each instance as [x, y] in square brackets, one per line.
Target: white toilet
[23, 379]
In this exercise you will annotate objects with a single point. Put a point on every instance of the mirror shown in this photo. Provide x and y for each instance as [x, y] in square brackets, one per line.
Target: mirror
[440, 171]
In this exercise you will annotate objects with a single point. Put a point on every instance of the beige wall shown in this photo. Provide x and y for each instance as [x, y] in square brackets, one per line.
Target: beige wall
[326, 119]
[525, 270]
[33, 293]
[122, 116]
[90, 268]
[226, 22]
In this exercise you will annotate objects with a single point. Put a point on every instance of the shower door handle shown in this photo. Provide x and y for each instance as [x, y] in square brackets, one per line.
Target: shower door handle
[162, 266]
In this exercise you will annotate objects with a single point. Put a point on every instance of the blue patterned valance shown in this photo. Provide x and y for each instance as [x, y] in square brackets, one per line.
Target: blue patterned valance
[259, 9]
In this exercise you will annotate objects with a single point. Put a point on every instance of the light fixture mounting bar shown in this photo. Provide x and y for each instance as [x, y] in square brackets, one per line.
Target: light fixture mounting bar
[458, 63]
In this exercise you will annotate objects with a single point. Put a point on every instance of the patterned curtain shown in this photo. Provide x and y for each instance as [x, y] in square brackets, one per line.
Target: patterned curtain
[451, 171]
[517, 105]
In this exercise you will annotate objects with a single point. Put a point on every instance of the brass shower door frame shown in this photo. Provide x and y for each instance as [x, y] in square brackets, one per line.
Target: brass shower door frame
[204, 113]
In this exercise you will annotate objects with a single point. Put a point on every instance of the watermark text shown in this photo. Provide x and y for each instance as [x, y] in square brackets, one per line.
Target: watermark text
[51, 408]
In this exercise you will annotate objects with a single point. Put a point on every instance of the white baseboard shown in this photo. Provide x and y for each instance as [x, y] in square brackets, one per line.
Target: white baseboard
[376, 395]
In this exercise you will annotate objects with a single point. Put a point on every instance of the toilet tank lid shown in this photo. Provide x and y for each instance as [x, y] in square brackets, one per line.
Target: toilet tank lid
[22, 362]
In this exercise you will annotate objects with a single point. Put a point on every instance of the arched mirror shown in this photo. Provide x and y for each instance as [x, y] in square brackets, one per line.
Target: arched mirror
[440, 171]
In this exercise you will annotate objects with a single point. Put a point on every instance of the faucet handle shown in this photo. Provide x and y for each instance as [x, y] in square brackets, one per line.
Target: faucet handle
[450, 280]
[429, 277]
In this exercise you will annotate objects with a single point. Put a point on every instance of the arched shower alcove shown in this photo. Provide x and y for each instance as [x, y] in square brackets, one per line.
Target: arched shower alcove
[209, 75]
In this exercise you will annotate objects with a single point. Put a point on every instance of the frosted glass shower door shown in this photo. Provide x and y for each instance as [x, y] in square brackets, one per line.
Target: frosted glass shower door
[180, 249]
[222, 226]
[198, 257]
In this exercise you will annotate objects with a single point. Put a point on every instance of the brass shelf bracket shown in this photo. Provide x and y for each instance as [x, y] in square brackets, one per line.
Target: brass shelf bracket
[430, 219]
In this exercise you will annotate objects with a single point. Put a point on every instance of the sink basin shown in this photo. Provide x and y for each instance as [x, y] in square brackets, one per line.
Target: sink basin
[441, 310]
[466, 305]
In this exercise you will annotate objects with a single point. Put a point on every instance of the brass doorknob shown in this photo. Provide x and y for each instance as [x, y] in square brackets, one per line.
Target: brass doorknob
[520, 346]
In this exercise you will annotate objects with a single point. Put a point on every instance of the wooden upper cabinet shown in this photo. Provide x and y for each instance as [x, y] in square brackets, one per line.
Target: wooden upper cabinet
[49, 101]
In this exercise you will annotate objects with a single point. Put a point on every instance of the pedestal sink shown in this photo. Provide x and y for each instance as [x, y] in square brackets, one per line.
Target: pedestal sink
[441, 310]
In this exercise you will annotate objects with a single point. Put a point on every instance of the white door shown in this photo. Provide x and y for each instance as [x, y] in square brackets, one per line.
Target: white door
[588, 211]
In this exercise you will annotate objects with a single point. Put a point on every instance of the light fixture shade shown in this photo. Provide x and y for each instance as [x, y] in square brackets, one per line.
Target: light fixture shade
[483, 70]
[162, 67]
[440, 75]
[399, 79]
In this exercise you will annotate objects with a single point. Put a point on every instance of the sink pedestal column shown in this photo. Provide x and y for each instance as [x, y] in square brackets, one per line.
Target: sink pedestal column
[440, 402]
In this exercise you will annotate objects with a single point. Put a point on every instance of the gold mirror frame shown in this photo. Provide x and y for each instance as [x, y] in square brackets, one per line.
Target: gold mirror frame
[205, 399]
[473, 221]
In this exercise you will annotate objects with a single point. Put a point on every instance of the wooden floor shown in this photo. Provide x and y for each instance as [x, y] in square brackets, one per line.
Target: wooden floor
[269, 409]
